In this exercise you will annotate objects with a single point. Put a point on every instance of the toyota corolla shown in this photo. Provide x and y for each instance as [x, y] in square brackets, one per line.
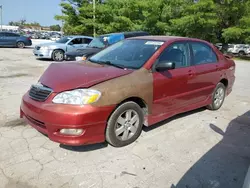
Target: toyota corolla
[134, 83]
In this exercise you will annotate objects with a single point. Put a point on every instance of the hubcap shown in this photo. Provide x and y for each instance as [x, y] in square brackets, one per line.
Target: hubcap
[127, 125]
[20, 45]
[219, 97]
[59, 56]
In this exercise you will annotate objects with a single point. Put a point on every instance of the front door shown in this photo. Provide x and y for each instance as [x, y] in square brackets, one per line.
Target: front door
[77, 44]
[173, 88]
[2, 39]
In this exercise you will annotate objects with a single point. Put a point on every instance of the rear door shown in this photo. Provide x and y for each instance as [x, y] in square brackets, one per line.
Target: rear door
[173, 88]
[11, 39]
[207, 68]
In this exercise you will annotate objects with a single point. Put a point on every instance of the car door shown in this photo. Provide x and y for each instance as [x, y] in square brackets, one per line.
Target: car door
[11, 39]
[2, 39]
[173, 88]
[75, 44]
[207, 68]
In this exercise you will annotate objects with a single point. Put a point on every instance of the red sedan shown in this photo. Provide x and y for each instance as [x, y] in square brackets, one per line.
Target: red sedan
[135, 82]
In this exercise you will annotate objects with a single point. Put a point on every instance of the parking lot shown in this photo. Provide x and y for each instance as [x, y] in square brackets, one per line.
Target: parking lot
[203, 148]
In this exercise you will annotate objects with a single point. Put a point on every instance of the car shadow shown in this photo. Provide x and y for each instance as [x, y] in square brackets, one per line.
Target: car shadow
[155, 126]
[41, 59]
[85, 148]
[226, 164]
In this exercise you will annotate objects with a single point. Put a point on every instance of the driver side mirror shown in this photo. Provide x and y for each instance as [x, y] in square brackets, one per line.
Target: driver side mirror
[71, 43]
[165, 65]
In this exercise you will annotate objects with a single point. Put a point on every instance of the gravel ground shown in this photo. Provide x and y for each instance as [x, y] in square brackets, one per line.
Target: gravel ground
[193, 150]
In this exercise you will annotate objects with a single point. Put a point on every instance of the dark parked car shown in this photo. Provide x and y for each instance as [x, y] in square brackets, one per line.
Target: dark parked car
[100, 43]
[14, 40]
[134, 83]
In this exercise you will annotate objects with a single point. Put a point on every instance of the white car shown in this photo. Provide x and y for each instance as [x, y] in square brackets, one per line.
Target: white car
[239, 49]
[56, 50]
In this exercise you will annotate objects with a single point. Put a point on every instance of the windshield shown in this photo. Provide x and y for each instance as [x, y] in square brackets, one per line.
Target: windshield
[63, 40]
[96, 43]
[128, 53]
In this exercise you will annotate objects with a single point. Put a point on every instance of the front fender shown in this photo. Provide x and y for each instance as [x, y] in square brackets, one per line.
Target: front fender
[136, 84]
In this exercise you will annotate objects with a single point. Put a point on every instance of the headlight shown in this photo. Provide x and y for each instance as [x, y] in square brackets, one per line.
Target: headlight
[77, 97]
[44, 48]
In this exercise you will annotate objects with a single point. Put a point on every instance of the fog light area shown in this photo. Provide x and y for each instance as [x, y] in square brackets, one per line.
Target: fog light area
[74, 132]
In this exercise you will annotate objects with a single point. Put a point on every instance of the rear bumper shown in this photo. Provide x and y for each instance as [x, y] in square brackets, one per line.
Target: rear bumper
[28, 43]
[50, 118]
[230, 86]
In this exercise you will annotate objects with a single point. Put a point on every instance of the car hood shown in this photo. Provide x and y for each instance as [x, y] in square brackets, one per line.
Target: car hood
[67, 76]
[84, 52]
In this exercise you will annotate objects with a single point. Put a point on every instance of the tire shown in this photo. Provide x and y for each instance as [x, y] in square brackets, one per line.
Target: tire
[241, 53]
[58, 55]
[119, 122]
[218, 97]
[20, 44]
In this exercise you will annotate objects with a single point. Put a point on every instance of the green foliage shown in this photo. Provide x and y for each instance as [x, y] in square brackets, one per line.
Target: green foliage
[212, 20]
[55, 27]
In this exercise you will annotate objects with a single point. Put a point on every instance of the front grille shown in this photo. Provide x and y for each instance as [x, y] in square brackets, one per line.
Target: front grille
[39, 92]
[38, 47]
[36, 122]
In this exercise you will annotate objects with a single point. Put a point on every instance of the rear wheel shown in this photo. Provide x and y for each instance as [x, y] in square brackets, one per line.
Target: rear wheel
[58, 55]
[20, 44]
[125, 124]
[218, 97]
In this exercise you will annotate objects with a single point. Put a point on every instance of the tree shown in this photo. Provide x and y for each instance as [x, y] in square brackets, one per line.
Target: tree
[213, 20]
[55, 27]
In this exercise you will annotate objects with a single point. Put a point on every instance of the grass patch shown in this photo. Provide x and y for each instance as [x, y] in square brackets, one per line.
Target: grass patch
[246, 58]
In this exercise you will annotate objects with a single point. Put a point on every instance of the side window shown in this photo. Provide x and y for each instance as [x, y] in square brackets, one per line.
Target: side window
[86, 40]
[11, 35]
[203, 53]
[177, 53]
[76, 41]
[2, 34]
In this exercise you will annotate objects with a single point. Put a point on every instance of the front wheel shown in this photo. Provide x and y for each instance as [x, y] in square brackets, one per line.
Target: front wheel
[125, 124]
[58, 55]
[218, 97]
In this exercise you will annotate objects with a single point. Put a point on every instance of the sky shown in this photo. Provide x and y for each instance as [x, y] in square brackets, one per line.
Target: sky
[41, 11]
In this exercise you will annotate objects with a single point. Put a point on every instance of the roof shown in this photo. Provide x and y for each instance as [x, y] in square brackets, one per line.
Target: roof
[163, 38]
[80, 36]
[124, 33]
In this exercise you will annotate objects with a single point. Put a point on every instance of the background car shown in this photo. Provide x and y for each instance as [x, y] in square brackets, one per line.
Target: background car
[14, 40]
[56, 50]
[55, 37]
[100, 43]
[238, 49]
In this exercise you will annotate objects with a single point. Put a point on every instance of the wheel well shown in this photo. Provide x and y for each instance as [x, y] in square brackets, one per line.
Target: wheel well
[138, 101]
[225, 82]
[59, 49]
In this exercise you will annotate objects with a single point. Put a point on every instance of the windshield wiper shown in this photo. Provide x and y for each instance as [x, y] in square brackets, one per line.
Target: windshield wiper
[108, 63]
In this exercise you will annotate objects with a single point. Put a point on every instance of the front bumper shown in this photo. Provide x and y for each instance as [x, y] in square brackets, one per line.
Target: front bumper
[43, 53]
[50, 118]
[70, 58]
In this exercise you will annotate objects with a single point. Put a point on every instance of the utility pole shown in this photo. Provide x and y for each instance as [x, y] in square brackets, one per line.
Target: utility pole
[94, 32]
[1, 7]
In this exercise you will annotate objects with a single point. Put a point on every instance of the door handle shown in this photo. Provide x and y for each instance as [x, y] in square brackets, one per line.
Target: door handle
[217, 67]
[190, 73]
